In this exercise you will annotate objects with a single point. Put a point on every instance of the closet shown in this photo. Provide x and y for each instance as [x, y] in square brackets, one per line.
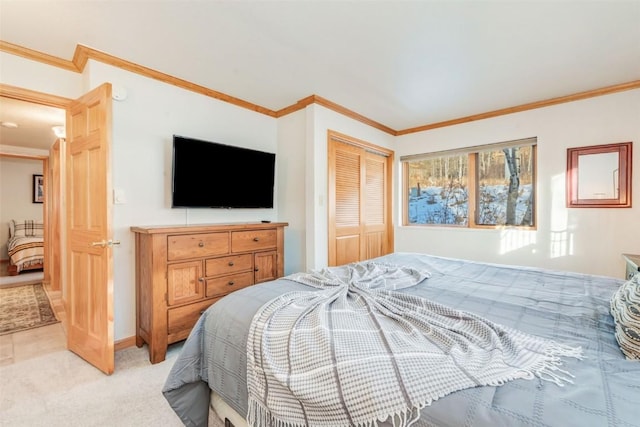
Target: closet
[359, 200]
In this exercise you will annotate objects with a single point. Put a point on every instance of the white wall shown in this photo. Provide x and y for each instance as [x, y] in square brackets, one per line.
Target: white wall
[143, 126]
[23, 73]
[16, 195]
[291, 188]
[589, 240]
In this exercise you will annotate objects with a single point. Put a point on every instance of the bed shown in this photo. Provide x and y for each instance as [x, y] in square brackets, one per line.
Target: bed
[25, 246]
[602, 387]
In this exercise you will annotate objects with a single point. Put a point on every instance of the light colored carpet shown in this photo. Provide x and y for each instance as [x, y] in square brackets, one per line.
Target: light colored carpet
[60, 389]
[24, 307]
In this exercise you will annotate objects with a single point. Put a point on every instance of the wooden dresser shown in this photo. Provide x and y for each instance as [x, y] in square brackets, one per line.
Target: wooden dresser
[182, 270]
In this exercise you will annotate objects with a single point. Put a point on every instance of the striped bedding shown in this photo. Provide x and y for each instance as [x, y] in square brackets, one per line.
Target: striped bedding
[26, 251]
[26, 243]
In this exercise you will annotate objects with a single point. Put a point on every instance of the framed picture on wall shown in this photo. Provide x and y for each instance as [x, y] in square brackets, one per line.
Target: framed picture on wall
[38, 189]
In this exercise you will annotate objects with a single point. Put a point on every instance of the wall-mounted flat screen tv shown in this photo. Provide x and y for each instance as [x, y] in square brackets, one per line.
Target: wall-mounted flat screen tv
[213, 175]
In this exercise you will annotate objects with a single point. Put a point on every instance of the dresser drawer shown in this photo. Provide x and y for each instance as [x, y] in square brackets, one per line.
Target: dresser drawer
[226, 284]
[197, 245]
[242, 241]
[180, 320]
[228, 265]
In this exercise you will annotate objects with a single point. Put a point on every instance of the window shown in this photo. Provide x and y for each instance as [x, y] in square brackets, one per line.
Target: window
[486, 186]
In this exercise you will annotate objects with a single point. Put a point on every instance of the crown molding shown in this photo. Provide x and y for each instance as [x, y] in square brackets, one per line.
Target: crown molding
[529, 106]
[28, 95]
[83, 53]
[315, 99]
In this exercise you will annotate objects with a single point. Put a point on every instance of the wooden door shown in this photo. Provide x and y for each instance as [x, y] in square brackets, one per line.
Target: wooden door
[360, 225]
[265, 266]
[185, 282]
[53, 230]
[89, 258]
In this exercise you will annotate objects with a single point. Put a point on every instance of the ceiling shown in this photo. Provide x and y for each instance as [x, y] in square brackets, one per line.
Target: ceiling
[34, 122]
[400, 63]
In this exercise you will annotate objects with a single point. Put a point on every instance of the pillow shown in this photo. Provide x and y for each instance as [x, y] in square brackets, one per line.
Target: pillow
[625, 309]
[26, 228]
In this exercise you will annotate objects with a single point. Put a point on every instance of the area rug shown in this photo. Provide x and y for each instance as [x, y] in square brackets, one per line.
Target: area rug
[24, 307]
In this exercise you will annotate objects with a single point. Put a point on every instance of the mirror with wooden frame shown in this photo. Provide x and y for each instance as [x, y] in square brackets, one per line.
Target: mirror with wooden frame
[599, 176]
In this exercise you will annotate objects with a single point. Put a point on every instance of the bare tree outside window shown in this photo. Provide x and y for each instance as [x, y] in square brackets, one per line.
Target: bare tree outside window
[439, 187]
[505, 181]
[438, 191]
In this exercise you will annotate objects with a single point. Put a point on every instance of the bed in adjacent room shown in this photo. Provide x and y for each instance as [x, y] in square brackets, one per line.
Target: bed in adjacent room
[491, 345]
[25, 246]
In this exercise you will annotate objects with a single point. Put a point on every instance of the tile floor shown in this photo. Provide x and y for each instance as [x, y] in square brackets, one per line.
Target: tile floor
[27, 344]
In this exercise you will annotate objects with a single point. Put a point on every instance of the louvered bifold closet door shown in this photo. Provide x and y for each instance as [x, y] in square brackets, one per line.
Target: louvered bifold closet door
[348, 174]
[358, 203]
[374, 235]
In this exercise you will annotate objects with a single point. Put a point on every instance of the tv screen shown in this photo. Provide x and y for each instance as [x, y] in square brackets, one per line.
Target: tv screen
[213, 175]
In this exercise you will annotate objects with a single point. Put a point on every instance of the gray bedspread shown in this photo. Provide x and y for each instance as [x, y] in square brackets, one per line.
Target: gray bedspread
[568, 307]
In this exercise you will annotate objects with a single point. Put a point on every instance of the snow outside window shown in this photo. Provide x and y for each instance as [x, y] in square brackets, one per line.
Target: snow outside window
[486, 186]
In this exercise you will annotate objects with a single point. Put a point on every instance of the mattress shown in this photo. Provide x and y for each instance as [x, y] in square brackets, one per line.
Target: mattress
[571, 308]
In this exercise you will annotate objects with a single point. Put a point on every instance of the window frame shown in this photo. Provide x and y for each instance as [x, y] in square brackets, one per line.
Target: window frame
[473, 183]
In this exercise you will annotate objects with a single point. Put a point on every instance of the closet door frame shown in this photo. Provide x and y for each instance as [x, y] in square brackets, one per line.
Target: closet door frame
[365, 147]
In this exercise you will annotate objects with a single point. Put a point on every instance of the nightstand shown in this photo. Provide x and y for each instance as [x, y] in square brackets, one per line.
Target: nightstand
[633, 265]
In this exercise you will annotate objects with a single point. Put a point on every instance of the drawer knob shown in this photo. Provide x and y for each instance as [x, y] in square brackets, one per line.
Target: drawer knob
[255, 269]
[231, 283]
[201, 244]
[256, 239]
[201, 279]
[230, 263]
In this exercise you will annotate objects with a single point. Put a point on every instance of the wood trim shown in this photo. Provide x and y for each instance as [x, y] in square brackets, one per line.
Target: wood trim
[352, 114]
[472, 201]
[625, 157]
[89, 53]
[24, 156]
[303, 103]
[83, 53]
[359, 143]
[124, 343]
[46, 221]
[315, 99]
[32, 96]
[205, 228]
[530, 106]
[35, 55]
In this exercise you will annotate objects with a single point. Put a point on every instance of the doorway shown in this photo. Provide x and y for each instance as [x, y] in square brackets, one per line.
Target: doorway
[29, 122]
[86, 243]
[16, 175]
[26, 145]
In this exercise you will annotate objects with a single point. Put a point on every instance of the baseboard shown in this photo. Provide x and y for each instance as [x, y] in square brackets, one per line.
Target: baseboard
[124, 343]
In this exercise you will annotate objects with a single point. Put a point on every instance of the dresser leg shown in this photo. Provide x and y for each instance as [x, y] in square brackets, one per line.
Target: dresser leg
[158, 349]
